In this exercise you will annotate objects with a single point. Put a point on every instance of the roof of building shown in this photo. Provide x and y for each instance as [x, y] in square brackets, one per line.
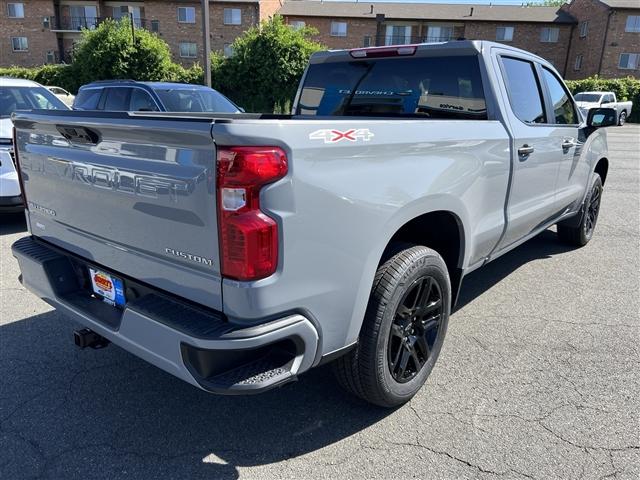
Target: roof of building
[635, 4]
[427, 11]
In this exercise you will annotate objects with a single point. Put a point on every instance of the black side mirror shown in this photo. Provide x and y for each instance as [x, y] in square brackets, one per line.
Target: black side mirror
[602, 117]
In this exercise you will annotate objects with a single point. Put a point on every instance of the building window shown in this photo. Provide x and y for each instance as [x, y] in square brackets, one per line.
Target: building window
[629, 61]
[398, 35]
[228, 50]
[577, 64]
[439, 33]
[584, 29]
[15, 10]
[549, 34]
[504, 34]
[186, 15]
[83, 17]
[232, 16]
[297, 24]
[19, 44]
[124, 11]
[155, 26]
[367, 41]
[633, 23]
[338, 29]
[188, 50]
[51, 56]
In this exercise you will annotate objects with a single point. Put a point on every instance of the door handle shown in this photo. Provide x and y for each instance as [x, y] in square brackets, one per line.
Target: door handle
[525, 150]
[567, 144]
[82, 135]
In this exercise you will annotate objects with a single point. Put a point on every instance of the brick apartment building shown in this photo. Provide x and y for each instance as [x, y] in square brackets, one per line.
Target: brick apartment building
[33, 32]
[606, 39]
[582, 38]
[608, 45]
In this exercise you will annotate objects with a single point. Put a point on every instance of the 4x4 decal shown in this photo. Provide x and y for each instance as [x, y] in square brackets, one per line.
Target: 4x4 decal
[333, 136]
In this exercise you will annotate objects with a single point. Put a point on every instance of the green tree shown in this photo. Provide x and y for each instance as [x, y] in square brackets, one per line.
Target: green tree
[548, 3]
[263, 73]
[110, 52]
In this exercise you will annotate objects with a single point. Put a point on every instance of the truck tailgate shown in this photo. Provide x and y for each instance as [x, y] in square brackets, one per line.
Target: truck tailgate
[135, 195]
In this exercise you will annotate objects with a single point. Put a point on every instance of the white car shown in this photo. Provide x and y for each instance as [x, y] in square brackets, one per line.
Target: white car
[62, 94]
[17, 94]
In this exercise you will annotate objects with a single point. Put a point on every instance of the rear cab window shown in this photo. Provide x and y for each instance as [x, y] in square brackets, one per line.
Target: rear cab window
[422, 87]
[523, 88]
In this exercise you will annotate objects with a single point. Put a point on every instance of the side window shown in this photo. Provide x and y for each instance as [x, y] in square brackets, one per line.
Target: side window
[87, 99]
[141, 101]
[563, 110]
[117, 99]
[524, 90]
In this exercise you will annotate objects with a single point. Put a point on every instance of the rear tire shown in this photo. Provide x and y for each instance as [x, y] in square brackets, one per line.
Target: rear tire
[398, 344]
[622, 119]
[580, 235]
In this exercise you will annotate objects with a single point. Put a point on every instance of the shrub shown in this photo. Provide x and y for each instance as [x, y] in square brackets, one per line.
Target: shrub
[59, 75]
[263, 73]
[625, 89]
[110, 52]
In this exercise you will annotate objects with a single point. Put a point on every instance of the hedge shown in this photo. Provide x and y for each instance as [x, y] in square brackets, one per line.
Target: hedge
[625, 89]
[64, 76]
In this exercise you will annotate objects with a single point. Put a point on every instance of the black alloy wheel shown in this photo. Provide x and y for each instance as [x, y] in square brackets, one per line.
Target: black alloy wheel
[414, 329]
[593, 209]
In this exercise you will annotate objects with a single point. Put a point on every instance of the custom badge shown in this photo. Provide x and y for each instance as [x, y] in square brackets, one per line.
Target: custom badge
[329, 135]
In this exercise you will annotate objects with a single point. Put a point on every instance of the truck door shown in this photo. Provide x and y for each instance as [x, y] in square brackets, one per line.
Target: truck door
[573, 171]
[534, 149]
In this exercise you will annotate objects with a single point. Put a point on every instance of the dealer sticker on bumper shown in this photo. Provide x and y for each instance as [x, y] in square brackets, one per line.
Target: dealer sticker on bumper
[110, 288]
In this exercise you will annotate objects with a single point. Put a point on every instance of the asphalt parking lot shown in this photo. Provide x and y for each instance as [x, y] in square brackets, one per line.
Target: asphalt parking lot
[539, 378]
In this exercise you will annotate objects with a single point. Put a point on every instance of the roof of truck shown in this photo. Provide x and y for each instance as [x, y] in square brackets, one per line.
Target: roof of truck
[457, 47]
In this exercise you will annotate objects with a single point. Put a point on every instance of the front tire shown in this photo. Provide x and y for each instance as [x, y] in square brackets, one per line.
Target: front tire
[403, 330]
[622, 119]
[580, 235]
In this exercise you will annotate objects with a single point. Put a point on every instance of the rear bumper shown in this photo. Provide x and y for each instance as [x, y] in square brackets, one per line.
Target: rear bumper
[199, 346]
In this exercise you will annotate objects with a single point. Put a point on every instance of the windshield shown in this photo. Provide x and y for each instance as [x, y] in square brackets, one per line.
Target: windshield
[588, 97]
[426, 87]
[195, 100]
[27, 98]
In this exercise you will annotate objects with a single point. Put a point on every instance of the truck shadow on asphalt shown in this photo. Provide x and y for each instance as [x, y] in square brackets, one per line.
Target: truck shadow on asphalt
[12, 223]
[67, 413]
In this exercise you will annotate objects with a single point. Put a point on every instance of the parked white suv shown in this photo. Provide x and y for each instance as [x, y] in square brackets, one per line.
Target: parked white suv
[17, 94]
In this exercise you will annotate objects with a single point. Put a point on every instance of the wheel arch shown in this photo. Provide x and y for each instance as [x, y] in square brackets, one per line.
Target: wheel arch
[602, 168]
[440, 230]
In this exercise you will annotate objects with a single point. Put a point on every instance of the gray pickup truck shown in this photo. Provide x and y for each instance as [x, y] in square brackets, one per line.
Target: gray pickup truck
[239, 251]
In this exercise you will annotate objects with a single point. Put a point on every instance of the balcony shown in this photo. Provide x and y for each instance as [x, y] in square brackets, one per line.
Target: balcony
[77, 24]
[373, 40]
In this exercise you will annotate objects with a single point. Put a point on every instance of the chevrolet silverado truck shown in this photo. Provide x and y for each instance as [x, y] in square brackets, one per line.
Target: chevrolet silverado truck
[588, 100]
[238, 251]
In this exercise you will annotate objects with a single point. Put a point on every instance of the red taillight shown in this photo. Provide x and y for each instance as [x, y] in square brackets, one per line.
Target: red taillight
[16, 164]
[248, 237]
